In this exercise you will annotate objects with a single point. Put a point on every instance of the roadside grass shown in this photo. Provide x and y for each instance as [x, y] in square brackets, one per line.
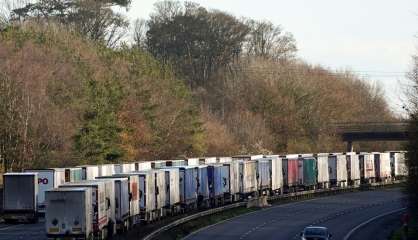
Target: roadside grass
[412, 234]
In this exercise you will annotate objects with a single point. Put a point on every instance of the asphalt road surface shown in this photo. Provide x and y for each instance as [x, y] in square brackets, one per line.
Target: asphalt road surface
[340, 213]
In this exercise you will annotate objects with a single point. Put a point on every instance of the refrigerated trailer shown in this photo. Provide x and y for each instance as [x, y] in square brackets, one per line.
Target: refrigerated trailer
[353, 169]
[337, 169]
[248, 177]
[234, 179]
[188, 187]
[172, 188]
[106, 170]
[142, 166]
[202, 186]
[193, 161]
[47, 179]
[147, 196]
[263, 176]
[276, 173]
[323, 170]
[290, 165]
[69, 213]
[398, 164]
[89, 172]
[218, 179]
[121, 202]
[382, 166]
[73, 174]
[307, 172]
[367, 169]
[20, 197]
[160, 191]
[134, 212]
[100, 206]
[158, 164]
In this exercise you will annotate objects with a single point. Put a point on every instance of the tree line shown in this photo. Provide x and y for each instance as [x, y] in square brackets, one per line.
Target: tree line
[190, 82]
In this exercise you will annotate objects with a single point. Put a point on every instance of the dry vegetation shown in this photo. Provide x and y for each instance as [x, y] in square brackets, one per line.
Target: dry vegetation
[196, 82]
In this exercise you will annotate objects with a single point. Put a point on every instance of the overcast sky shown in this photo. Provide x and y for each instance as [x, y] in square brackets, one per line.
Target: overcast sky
[375, 38]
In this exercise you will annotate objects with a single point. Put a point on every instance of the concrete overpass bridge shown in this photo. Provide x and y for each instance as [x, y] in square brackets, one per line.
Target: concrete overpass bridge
[372, 131]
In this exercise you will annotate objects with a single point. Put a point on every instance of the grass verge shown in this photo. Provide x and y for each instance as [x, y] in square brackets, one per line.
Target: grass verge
[412, 233]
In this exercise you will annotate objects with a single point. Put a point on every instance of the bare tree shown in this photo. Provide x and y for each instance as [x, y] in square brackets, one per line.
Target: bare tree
[269, 41]
[140, 33]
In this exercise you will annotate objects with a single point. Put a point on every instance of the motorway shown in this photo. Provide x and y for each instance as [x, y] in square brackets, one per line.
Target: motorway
[340, 213]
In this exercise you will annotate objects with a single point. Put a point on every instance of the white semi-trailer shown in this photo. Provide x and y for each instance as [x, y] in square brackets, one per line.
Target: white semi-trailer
[48, 179]
[69, 213]
[100, 206]
[20, 194]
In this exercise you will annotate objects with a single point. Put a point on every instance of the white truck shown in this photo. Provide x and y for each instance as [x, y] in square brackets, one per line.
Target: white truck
[106, 170]
[121, 203]
[100, 206]
[323, 170]
[133, 196]
[172, 180]
[69, 213]
[353, 168]
[89, 172]
[48, 179]
[337, 163]
[20, 196]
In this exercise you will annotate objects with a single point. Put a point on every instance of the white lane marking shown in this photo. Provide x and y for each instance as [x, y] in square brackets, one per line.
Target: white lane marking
[346, 237]
[9, 227]
[245, 214]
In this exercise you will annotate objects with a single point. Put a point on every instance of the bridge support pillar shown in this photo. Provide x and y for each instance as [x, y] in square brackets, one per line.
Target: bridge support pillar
[350, 147]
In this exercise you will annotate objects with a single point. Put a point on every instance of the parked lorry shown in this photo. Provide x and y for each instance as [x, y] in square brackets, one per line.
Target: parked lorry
[398, 164]
[218, 179]
[176, 163]
[73, 174]
[134, 212]
[89, 172]
[353, 169]
[100, 206]
[290, 165]
[337, 163]
[106, 170]
[188, 187]
[122, 202]
[158, 164]
[160, 191]
[382, 166]
[142, 166]
[248, 177]
[367, 168]
[263, 176]
[20, 197]
[234, 179]
[224, 159]
[69, 213]
[193, 161]
[308, 172]
[47, 179]
[208, 160]
[147, 191]
[276, 173]
[323, 170]
[202, 186]
[172, 179]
